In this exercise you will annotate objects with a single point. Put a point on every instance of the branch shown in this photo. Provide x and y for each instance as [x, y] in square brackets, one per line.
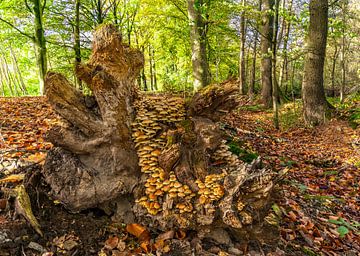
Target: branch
[18, 30]
[43, 7]
[28, 7]
[179, 8]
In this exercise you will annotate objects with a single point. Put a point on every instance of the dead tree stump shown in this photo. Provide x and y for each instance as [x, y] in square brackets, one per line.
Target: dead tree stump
[155, 158]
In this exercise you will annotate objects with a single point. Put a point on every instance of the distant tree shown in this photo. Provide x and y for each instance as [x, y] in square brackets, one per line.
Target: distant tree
[242, 73]
[36, 7]
[266, 49]
[198, 36]
[313, 93]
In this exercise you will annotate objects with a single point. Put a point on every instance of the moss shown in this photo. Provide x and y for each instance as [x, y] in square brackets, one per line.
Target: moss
[243, 154]
[187, 125]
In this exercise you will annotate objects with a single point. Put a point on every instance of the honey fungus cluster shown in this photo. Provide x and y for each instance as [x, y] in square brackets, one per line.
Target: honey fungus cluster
[154, 114]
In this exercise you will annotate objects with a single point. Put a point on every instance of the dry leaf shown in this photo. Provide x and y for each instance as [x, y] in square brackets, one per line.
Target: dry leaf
[180, 234]
[14, 178]
[138, 231]
[111, 242]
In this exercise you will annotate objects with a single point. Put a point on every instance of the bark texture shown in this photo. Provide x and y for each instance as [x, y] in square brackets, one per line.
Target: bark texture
[94, 159]
[149, 157]
[266, 56]
[242, 73]
[40, 43]
[313, 94]
[198, 38]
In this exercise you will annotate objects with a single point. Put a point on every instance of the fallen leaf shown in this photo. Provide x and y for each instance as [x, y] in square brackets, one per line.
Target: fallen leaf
[111, 242]
[138, 231]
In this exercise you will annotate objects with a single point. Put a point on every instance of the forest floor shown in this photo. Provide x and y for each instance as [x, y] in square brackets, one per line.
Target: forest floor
[318, 208]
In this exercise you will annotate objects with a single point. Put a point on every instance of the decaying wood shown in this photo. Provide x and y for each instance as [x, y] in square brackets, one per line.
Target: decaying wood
[95, 161]
[153, 158]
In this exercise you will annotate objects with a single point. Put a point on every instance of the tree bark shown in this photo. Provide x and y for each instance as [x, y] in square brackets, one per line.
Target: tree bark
[171, 158]
[198, 39]
[40, 43]
[313, 94]
[242, 73]
[266, 46]
[77, 47]
[343, 57]
[333, 68]
[284, 67]
[275, 89]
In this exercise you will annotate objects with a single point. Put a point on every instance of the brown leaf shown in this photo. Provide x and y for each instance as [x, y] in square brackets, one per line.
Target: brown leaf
[14, 178]
[111, 242]
[146, 246]
[292, 216]
[167, 235]
[3, 203]
[121, 246]
[180, 234]
[138, 231]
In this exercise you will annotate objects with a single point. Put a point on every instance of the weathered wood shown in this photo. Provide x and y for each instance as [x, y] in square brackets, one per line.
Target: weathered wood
[96, 161]
[189, 177]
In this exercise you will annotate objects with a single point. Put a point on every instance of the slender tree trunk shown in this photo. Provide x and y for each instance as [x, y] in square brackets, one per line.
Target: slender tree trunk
[284, 67]
[114, 10]
[40, 43]
[99, 12]
[266, 46]
[77, 48]
[151, 69]
[154, 68]
[343, 57]
[275, 92]
[333, 68]
[198, 40]
[18, 72]
[253, 73]
[242, 73]
[4, 75]
[313, 94]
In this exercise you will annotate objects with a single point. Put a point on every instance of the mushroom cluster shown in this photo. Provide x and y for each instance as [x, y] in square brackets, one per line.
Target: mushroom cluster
[223, 153]
[154, 114]
[151, 130]
[210, 190]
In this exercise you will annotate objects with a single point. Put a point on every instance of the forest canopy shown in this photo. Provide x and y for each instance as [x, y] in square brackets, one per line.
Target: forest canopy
[161, 29]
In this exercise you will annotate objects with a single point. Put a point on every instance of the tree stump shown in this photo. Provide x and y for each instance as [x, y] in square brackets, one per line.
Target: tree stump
[156, 159]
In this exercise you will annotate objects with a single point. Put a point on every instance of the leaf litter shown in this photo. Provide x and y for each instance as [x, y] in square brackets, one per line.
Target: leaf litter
[318, 211]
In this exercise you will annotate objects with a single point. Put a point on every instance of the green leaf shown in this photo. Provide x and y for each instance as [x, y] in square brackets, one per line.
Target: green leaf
[342, 231]
[277, 210]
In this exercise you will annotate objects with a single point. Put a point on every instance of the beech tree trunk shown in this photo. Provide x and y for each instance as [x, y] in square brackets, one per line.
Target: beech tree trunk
[77, 47]
[242, 74]
[39, 40]
[266, 47]
[151, 158]
[313, 93]
[198, 39]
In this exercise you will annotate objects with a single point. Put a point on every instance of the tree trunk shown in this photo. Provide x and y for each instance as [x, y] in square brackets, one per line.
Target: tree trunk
[266, 46]
[40, 43]
[154, 68]
[198, 39]
[284, 67]
[242, 74]
[333, 68]
[343, 58]
[313, 94]
[253, 73]
[171, 158]
[77, 48]
[275, 89]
